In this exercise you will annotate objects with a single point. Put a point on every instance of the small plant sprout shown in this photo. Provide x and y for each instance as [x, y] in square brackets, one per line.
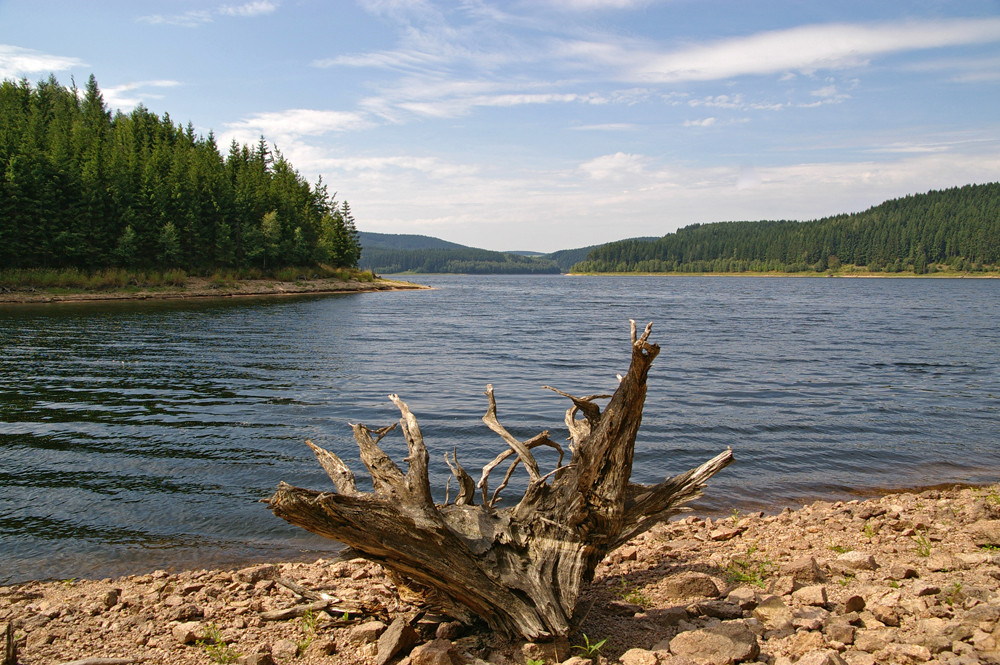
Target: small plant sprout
[216, 648]
[923, 545]
[590, 649]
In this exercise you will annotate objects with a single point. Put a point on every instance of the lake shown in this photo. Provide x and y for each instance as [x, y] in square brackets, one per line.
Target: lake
[142, 435]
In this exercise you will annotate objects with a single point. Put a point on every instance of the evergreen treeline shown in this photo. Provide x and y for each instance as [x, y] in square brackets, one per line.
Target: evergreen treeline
[82, 188]
[466, 260]
[958, 228]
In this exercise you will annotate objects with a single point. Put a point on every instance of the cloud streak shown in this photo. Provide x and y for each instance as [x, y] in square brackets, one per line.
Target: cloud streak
[17, 62]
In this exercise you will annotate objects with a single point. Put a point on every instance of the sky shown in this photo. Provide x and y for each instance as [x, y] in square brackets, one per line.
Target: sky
[554, 124]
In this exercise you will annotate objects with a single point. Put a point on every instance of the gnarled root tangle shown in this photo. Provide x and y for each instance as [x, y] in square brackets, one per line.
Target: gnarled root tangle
[521, 568]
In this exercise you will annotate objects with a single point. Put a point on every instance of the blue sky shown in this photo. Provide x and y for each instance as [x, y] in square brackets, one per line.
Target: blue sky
[555, 124]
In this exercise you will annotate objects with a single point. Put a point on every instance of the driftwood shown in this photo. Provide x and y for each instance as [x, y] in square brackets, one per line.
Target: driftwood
[520, 568]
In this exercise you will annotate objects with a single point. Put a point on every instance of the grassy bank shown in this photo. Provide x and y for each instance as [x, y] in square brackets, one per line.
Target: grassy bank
[119, 279]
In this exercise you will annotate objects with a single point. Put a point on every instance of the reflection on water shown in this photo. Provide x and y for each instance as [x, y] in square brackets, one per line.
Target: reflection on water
[141, 435]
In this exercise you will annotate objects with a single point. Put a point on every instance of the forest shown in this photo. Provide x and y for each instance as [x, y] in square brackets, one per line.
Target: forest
[466, 260]
[954, 229]
[86, 189]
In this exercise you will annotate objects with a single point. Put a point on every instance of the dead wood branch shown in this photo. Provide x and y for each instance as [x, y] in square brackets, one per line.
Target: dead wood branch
[519, 568]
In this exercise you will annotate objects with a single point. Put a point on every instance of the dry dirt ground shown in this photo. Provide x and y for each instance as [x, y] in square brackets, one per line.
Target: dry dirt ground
[906, 578]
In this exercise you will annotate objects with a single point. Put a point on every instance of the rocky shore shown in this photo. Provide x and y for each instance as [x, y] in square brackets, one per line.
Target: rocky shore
[200, 287]
[906, 578]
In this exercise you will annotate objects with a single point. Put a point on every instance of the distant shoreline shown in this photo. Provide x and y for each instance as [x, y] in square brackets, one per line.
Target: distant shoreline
[803, 275]
[199, 287]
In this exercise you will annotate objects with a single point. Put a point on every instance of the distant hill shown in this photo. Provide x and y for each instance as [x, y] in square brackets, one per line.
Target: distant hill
[954, 229]
[404, 241]
[387, 253]
[567, 258]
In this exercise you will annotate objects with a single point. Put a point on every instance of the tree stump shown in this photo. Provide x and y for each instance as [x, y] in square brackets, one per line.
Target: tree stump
[521, 568]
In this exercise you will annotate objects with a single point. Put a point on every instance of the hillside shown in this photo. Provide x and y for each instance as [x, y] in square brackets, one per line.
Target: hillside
[956, 229]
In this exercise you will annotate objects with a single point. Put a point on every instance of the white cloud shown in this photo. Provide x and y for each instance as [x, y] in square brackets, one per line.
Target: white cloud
[295, 123]
[614, 167]
[257, 8]
[704, 122]
[607, 127]
[191, 19]
[199, 17]
[17, 62]
[130, 95]
[801, 49]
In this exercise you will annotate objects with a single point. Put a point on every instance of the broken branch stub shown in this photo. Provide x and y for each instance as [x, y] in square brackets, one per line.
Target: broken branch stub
[522, 568]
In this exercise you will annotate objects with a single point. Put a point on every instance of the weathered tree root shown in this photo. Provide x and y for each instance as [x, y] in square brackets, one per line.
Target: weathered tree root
[522, 568]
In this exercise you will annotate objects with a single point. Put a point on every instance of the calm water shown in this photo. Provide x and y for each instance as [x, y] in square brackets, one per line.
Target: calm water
[142, 435]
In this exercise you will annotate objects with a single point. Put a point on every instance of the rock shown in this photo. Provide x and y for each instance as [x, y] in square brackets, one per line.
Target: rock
[725, 533]
[821, 657]
[720, 609]
[783, 585]
[188, 632]
[366, 633]
[449, 630]
[111, 597]
[254, 574]
[638, 657]
[985, 533]
[623, 609]
[872, 640]
[900, 572]
[810, 618]
[926, 590]
[855, 560]
[727, 643]
[903, 653]
[854, 604]
[549, 652]
[578, 660]
[858, 658]
[743, 596]
[691, 585]
[774, 614]
[839, 631]
[939, 634]
[284, 650]
[398, 638]
[321, 647]
[811, 595]
[256, 658]
[435, 652]
[669, 616]
[803, 642]
[804, 570]
[185, 612]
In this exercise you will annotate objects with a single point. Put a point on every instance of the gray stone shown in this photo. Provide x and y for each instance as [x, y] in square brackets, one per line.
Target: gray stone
[399, 637]
[743, 596]
[284, 650]
[254, 574]
[435, 652]
[839, 631]
[720, 609]
[901, 572]
[366, 633]
[691, 585]
[727, 643]
[985, 533]
[811, 595]
[188, 632]
[774, 614]
[821, 657]
[804, 570]
[854, 604]
[855, 560]
[256, 658]
[638, 657]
